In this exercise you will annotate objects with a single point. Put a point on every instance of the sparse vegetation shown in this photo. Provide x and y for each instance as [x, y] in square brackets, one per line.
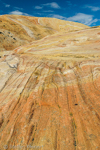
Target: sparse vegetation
[73, 124]
[37, 73]
[71, 114]
[59, 106]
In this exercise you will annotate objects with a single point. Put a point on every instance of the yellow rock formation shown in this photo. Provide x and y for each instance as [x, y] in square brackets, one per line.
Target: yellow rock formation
[19, 30]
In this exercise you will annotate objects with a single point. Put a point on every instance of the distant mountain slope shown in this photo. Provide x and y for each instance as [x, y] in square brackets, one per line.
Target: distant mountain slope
[19, 30]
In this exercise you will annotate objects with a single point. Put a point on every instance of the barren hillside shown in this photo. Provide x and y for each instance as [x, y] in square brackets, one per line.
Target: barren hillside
[19, 30]
[50, 89]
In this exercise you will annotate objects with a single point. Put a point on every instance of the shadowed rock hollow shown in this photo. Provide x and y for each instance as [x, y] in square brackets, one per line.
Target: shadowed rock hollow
[50, 90]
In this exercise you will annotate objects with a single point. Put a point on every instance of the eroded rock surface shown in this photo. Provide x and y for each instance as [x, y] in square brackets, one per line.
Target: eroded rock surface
[50, 93]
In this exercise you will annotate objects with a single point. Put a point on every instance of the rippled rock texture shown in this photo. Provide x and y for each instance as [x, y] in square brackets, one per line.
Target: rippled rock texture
[50, 93]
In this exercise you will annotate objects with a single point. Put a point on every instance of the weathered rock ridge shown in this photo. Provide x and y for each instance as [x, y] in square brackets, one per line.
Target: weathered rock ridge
[50, 93]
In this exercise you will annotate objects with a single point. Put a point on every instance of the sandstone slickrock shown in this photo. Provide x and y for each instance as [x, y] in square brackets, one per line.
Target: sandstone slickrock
[50, 91]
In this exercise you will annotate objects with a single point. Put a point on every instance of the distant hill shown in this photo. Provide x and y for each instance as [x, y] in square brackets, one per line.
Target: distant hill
[19, 30]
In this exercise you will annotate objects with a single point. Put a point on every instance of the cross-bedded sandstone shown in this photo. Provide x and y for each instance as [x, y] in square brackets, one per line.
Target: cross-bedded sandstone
[50, 93]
